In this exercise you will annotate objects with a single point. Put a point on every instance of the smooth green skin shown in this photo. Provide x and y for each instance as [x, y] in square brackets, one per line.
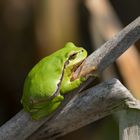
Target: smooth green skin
[39, 93]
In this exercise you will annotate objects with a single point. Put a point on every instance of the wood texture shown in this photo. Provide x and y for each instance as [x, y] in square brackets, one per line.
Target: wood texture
[86, 107]
[112, 49]
[129, 124]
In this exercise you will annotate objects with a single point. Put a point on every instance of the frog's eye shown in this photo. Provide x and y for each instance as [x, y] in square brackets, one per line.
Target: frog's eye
[73, 56]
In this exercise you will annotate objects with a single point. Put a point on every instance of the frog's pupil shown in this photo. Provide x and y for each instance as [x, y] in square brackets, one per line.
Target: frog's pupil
[73, 56]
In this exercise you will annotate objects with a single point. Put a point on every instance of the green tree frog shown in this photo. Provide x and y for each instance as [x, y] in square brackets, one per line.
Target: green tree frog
[50, 79]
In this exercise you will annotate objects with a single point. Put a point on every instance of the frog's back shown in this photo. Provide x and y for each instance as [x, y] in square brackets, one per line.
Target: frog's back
[43, 79]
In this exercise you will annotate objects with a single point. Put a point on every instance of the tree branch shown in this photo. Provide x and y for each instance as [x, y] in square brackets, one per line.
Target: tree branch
[87, 107]
[111, 50]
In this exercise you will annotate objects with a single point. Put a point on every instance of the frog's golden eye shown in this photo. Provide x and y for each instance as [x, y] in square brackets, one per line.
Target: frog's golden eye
[73, 56]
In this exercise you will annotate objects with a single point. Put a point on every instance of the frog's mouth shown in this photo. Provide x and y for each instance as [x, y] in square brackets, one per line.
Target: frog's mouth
[74, 63]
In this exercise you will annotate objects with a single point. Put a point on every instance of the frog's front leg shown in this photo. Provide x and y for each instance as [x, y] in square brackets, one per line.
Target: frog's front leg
[68, 85]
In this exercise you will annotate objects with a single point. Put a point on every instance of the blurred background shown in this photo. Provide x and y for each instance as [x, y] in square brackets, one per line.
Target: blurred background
[32, 29]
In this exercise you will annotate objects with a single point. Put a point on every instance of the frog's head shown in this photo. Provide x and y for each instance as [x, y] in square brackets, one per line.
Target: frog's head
[76, 55]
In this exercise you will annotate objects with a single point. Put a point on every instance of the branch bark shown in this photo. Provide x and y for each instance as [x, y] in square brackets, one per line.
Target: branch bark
[87, 107]
[112, 49]
[129, 124]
